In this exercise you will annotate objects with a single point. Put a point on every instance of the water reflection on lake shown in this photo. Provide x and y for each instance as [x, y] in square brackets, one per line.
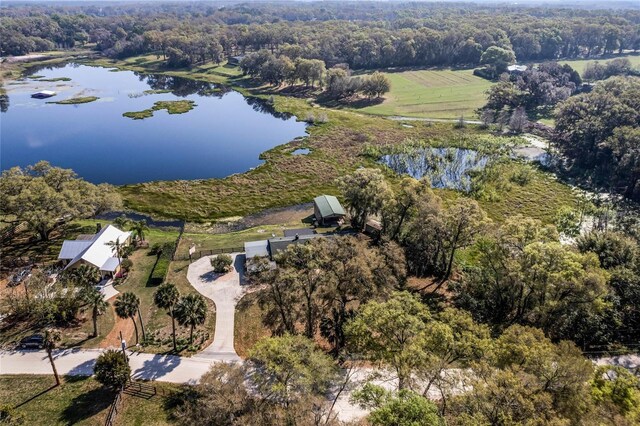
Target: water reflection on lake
[224, 134]
[445, 167]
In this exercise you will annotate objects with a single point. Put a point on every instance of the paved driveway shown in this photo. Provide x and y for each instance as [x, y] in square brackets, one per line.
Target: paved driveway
[225, 291]
[80, 362]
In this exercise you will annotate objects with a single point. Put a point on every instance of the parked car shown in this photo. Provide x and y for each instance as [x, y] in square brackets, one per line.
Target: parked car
[19, 277]
[35, 341]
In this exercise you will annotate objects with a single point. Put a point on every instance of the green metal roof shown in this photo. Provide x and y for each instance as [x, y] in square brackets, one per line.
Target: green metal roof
[328, 205]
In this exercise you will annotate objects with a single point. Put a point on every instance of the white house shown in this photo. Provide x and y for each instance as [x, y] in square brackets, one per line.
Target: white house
[95, 251]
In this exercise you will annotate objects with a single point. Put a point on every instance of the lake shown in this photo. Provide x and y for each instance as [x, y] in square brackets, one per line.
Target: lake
[445, 167]
[225, 133]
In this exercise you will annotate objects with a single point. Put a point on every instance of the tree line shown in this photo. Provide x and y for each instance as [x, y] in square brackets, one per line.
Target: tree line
[519, 272]
[337, 81]
[359, 36]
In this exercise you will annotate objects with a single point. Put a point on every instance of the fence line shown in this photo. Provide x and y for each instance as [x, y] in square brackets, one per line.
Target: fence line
[202, 253]
[178, 240]
[115, 406]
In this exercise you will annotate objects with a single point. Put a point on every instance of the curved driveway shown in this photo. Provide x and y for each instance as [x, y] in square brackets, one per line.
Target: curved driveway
[225, 291]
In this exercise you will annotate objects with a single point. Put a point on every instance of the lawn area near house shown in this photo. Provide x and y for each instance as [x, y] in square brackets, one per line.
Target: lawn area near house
[78, 401]
[204, 242]
[432, 94]
[156, 321]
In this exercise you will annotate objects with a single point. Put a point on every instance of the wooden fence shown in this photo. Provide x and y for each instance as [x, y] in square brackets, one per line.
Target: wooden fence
[116, 405]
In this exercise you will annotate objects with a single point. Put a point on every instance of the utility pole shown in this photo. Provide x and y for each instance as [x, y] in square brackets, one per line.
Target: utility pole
[123, 344]
[144, 336]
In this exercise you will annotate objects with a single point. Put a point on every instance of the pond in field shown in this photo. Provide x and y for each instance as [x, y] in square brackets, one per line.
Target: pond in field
[223, 134]
[445, 167]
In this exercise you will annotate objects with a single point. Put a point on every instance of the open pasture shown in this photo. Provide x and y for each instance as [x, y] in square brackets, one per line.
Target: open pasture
[433, 94]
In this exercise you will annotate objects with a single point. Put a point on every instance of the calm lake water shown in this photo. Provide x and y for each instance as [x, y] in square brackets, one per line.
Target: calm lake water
[224, 134]
[445, 167]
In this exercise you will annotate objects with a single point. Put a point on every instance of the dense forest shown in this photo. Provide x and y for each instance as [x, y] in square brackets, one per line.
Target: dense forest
[359, 35]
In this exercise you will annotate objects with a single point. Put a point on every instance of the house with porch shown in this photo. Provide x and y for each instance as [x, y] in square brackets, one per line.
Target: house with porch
[95, 250]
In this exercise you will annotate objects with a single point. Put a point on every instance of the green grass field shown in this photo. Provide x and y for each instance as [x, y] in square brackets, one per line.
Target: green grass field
[580, 64]
[433, 94]
[79, 400]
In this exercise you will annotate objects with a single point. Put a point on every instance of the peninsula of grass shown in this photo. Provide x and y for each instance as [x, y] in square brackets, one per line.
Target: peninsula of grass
[55, 79]
[172, 107]
[156, 91]
[74, 101]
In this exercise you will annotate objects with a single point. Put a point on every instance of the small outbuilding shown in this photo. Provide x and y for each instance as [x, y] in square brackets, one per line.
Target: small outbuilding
[516, 68]
[235, 60]
[44, 94]
[256, 249]
[327, 209]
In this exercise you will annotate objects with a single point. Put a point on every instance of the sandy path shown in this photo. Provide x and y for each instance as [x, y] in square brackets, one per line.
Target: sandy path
[112, 339]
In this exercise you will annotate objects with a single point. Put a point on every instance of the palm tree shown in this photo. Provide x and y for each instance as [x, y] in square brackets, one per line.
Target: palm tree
[98, 305]
[83, 275]
[117, 248]
[191, 311]
[127, 305]
[167, 297]
[139, 228]
[121, 222]
[51, 338]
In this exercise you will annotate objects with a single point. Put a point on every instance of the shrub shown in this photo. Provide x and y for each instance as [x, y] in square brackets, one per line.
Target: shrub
[164, 250]
[126, 264]
[310, 118]
[322, 118]
[111, 369]
[221, 263]
[9, 416]
[522, 176]
[160, 270]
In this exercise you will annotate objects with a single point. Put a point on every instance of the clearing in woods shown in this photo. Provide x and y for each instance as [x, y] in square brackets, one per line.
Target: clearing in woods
[433, 94]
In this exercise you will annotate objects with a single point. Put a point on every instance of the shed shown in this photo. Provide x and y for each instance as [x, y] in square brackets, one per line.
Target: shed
[327, 209]
[517, 68]
[235, 60]
[44, 94]
[256, 249]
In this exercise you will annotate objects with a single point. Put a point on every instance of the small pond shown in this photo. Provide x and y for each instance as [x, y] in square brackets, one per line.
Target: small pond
[445, 167]
[301, 151]
[223, 134]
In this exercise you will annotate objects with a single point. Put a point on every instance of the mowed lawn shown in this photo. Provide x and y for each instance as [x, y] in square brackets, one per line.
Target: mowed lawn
[79, 401]
[433, 94]
[580, 64]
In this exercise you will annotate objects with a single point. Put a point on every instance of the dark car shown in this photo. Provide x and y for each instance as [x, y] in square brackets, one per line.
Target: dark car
[32, 342]
[19, 277]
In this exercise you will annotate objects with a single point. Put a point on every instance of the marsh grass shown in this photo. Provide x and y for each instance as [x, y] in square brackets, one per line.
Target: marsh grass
[172, 107]
[345, 141]
[74, 101]
[55, 79]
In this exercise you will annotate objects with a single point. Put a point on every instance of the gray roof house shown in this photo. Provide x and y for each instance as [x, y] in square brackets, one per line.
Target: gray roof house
[327, 209]
[271, 247]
